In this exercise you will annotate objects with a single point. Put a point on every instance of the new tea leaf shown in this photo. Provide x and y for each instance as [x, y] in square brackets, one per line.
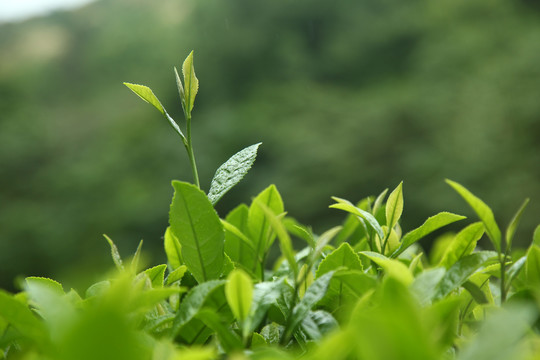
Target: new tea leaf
[483, 211]
[191, 83]
[231, 172]
[394, 206]
[239, 293]
[511, 230]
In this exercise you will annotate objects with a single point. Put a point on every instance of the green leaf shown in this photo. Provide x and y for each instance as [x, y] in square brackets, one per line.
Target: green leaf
[344, 256]
[324, 240]
[346, 287]
[501, 334]
[285, 242]
[313, 295]
[515, 268]
[145, 93]
[115, 254]
[511, 229]
[272, 333]
[346, 205]
[238, 246]
[431, 224]
[536, 236]
[239, 293]
[476, 293]
[176, 275]
[227, 338]
[425, 285]
[134, 265]
[483, 211]
[258, 224]
[21, 317]
[231, 172]
[318, 323]
[180, 88]
[462, 244]
[460, 272]
[53, 285]
[392, 267]
[196, 224]
[173, 249]
[151, 297]
[394, 206]
[192, 303]
[156, 275]
[191, 83]
[378, 202]
[532, 266]
[265, 294]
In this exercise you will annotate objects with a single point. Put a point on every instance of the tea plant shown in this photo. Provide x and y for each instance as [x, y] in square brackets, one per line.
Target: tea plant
[361, 290]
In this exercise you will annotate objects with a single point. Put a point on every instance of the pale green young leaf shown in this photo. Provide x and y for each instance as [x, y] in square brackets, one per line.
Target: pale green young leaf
[431, 224]
[393, 268]
[258, 225]
[394, 206]
[195, 223]
[511, 229]
[461, 271]
[239, 293]
[191, 83]
[230, 228]
[344, 256]
[52, 285]
[156, 275]
[231, 172]
[176, 275]
[532, 266]
[145, 93]
[19, 315]
[180, 88]
[285, 242]
[462, 244]
[483, 211]
[173, 249]
[378, 202]
[346, 205]
[346, 287]
[536, 236]
[323, 240]
[193, 302]
[134, 265]
[151, 297]
[424, 285]
[115, 254]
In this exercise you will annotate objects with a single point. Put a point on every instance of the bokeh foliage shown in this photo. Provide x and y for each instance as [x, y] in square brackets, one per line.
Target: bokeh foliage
[346, 96]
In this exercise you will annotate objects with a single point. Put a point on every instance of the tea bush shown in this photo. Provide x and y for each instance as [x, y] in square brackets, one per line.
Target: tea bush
[361, 290]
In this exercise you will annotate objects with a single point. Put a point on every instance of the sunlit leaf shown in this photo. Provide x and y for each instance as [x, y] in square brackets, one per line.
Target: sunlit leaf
[239, 293]
[511, 229]
[191, 83]
[394, 206]
[462, 244]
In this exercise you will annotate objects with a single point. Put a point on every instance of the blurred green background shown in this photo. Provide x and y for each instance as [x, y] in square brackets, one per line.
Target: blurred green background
[348, 97]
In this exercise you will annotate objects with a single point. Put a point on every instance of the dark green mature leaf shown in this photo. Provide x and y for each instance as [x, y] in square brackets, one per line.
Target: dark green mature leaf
[265, 294]
[318, 323]
[483, 211]
[431, 224]
[462, 244]
[272, 333]
[460, 272]
[346, 287]
[313, 295]
[196, 224]
[193, 302]
[500, 335]
[18, 315]
[227, 338]
[346, 205]
[476, 292]
[258, 224]
[343, 256]
[511, 229]
[394, 206]
[231, 172]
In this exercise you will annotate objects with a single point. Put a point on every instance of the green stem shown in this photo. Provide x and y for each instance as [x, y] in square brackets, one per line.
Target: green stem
[189, 148]
[502, 260]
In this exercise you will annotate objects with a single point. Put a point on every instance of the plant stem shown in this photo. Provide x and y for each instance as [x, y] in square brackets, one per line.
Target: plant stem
[189, 148]
[503, 287]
